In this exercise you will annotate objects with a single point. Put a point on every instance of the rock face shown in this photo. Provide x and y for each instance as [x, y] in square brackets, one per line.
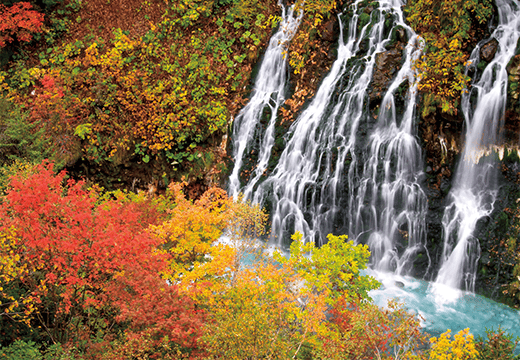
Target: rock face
[387, 64]
[488, 50]
[499, 232]
[512, 118]
[329, 34]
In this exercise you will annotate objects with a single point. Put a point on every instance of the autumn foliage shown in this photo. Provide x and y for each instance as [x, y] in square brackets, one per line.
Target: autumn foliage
[73, 264]
[276, 307]
[19, 22]
[116, 275]
[447, 26]
[159, 95]
[462, 347]
[365, 331]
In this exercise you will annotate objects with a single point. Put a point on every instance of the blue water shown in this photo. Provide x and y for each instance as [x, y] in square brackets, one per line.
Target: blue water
[444, 308]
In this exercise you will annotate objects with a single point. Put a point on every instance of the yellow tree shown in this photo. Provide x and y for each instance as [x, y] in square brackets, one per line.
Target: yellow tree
[276, 307]
[192, 233]
[446, 26]
[462, 347]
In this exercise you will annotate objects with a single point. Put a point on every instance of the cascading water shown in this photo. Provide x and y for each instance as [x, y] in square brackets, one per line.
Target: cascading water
[389, 204]
[474, 191]
[268, 95]
[318, 171]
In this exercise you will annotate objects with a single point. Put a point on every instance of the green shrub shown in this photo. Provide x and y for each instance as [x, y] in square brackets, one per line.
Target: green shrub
[498, 345]
[20, 140]
[21, 350]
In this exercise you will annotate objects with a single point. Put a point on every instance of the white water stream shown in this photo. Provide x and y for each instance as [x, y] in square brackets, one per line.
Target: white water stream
[307, 189]
[268, 95]
[388, 205]
[474, 191]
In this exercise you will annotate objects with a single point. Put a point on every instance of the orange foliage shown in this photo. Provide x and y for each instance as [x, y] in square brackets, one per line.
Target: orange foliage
[18, 21]
[365, 331]
[81, 257]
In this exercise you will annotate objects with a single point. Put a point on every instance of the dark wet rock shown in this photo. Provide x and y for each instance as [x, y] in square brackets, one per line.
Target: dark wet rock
[494, 232]
[386, 65]
[513, 68]
[390, 58]
[445, 183]
[399, 284]
[512, 116]
[488, 50]
[441, 136]
[422, 265]
[329, 34]
[401, 34]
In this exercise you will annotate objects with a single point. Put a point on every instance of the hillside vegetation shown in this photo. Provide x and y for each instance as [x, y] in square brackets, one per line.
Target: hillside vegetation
[128, 95]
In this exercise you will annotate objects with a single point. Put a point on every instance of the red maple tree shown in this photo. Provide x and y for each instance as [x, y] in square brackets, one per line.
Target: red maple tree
[88, 256]
[19, 22]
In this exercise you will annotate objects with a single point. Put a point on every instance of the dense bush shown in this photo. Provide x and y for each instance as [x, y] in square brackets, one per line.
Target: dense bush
[75, 267]
[497, 345]
[447, 26]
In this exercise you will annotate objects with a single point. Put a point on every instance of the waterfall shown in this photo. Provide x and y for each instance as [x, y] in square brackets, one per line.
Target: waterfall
[474, 191]
[328, 179]
[268, 95]
[388, 205]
